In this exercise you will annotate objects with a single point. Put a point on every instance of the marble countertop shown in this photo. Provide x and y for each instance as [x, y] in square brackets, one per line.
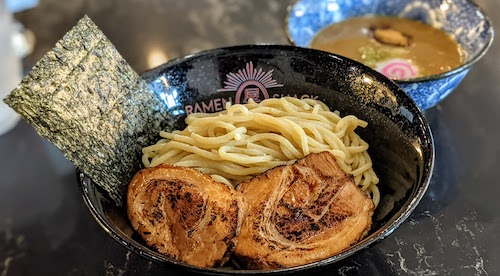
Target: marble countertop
[46, 229]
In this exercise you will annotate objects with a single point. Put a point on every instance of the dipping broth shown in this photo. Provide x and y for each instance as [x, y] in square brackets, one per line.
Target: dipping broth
[397, 47]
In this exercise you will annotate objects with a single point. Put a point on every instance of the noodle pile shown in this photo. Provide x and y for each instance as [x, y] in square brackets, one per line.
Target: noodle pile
[248, 139]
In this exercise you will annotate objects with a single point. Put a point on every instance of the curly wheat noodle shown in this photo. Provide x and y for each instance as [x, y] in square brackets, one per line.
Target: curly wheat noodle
[247, 139]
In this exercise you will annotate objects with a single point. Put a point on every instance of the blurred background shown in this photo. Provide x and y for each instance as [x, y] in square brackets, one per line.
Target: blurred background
[147, 33]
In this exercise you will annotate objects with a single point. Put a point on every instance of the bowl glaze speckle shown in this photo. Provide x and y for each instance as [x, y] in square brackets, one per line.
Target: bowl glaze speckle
[462, 19]
[401, 144]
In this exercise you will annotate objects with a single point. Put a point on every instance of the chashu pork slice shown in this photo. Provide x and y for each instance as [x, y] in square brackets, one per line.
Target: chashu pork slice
[301, 213]
[185, 215]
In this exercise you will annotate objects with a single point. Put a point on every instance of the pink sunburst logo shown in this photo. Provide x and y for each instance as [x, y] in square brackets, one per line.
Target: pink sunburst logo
[250, 82]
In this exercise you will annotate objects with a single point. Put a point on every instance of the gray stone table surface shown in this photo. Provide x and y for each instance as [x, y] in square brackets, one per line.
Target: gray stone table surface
[46, 229]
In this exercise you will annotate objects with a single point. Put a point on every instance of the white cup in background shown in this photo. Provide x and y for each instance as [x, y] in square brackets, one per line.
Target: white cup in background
[10, 68]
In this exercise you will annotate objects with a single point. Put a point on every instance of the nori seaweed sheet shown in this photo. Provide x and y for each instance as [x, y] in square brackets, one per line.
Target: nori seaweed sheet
[83, 97]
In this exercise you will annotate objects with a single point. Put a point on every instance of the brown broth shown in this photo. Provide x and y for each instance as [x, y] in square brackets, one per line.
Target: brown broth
[430, 50]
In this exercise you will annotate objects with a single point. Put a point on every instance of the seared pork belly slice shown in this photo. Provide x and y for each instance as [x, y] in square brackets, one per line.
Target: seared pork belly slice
[301, 213]
[184, 214]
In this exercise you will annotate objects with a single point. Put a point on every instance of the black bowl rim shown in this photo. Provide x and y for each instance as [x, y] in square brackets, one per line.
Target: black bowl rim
[464, 66]
[427, 170]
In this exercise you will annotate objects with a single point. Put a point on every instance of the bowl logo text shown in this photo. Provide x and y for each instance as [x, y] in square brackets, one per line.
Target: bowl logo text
[247, 83]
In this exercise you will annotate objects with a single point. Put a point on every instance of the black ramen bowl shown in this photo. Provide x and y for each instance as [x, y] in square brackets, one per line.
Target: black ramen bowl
[400, 140]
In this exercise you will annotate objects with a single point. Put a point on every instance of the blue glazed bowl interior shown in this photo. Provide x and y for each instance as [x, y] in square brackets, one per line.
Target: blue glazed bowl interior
[462, 19]
[400, 140]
